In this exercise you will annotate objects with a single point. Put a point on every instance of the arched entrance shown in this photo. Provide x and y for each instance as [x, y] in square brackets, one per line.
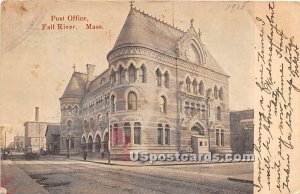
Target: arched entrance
[83, 143]
[197, 129]
[90, 144]
[105, 143]
[97, 143]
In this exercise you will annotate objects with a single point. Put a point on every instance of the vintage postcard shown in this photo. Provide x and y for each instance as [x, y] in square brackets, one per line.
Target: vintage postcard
[149, 97]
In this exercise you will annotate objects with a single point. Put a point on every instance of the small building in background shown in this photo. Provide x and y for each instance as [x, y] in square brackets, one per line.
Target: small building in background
[52, 138]
[35, 139]
[242, 131]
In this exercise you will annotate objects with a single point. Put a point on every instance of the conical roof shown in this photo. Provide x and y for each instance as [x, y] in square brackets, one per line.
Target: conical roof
[142, 29]
[76, 86]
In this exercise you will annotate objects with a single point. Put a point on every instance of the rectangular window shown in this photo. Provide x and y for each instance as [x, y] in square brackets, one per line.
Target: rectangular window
[137, 135]
[160, 134]
[167, 135]
[72, 143]
[200, 143]
[127, 131]
[193, 109]
[116, 136]
[67, 143]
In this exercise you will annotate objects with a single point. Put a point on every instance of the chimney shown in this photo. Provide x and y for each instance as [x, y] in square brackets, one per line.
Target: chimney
[90, 72]
[37, 113]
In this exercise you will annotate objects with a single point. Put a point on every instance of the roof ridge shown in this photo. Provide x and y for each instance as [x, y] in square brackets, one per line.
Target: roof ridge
[158, 19]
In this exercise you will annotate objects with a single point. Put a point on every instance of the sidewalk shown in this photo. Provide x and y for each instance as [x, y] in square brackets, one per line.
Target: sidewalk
[16, 181]
[243, 178]
[96, 159]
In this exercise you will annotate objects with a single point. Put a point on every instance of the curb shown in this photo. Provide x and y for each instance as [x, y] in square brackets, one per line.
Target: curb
[240, 180]
[148, 164]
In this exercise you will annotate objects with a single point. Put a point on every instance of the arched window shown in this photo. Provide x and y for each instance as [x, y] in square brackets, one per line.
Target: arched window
[222, 137]
[158, 77]
[99, 118]
[219, 113]
[163, 104]
[167, 134]
[122, 75]
[92, 123]
[166, 81]
[113, 77]
[64, 110]
[85, 125]
[137, 133]
[159, 134]
[143, 74]
[201, 88]
[113, 103]
[221, 95]
[216, 92]
[76, 109]
[69, 110]
[132, 101]
[195, 86]
[132, 72]
[188, 84]
[69, 124]
[127, 131]
[217, 137]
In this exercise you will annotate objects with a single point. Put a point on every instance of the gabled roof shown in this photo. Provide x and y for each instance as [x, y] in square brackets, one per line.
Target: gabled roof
[76, 86]
[142, 29]
[52, 129]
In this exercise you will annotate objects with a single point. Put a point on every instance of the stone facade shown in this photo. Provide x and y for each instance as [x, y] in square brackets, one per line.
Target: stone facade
[161, 88]
[242, 126]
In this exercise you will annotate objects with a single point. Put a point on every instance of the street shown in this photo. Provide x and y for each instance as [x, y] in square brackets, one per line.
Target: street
[70, 176]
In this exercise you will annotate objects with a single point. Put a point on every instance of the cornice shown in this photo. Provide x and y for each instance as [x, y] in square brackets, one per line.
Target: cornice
[161, 56]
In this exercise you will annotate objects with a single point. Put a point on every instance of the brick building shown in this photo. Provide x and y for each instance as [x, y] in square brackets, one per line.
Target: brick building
[242, 131]
[52, 135]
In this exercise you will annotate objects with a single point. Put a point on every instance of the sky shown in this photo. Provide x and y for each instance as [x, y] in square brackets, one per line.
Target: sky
[36, 64]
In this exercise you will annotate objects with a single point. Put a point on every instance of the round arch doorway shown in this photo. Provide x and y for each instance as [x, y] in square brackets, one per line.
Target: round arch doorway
[97, 143]
[198, 129]
[90, 144]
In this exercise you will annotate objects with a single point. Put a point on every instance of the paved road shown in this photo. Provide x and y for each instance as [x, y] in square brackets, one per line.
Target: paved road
[67, 176]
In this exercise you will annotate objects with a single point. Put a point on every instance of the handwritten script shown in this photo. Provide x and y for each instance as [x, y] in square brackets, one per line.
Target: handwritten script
[277, 60]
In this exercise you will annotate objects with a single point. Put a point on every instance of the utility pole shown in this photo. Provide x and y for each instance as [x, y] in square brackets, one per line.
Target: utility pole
[5, 140]
[109, 134]
[178, 110]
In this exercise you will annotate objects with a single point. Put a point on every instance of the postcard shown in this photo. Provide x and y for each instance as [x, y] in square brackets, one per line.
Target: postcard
[149, 97]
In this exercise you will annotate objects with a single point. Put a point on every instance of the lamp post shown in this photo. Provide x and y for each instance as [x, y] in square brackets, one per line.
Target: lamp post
[109, 102]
